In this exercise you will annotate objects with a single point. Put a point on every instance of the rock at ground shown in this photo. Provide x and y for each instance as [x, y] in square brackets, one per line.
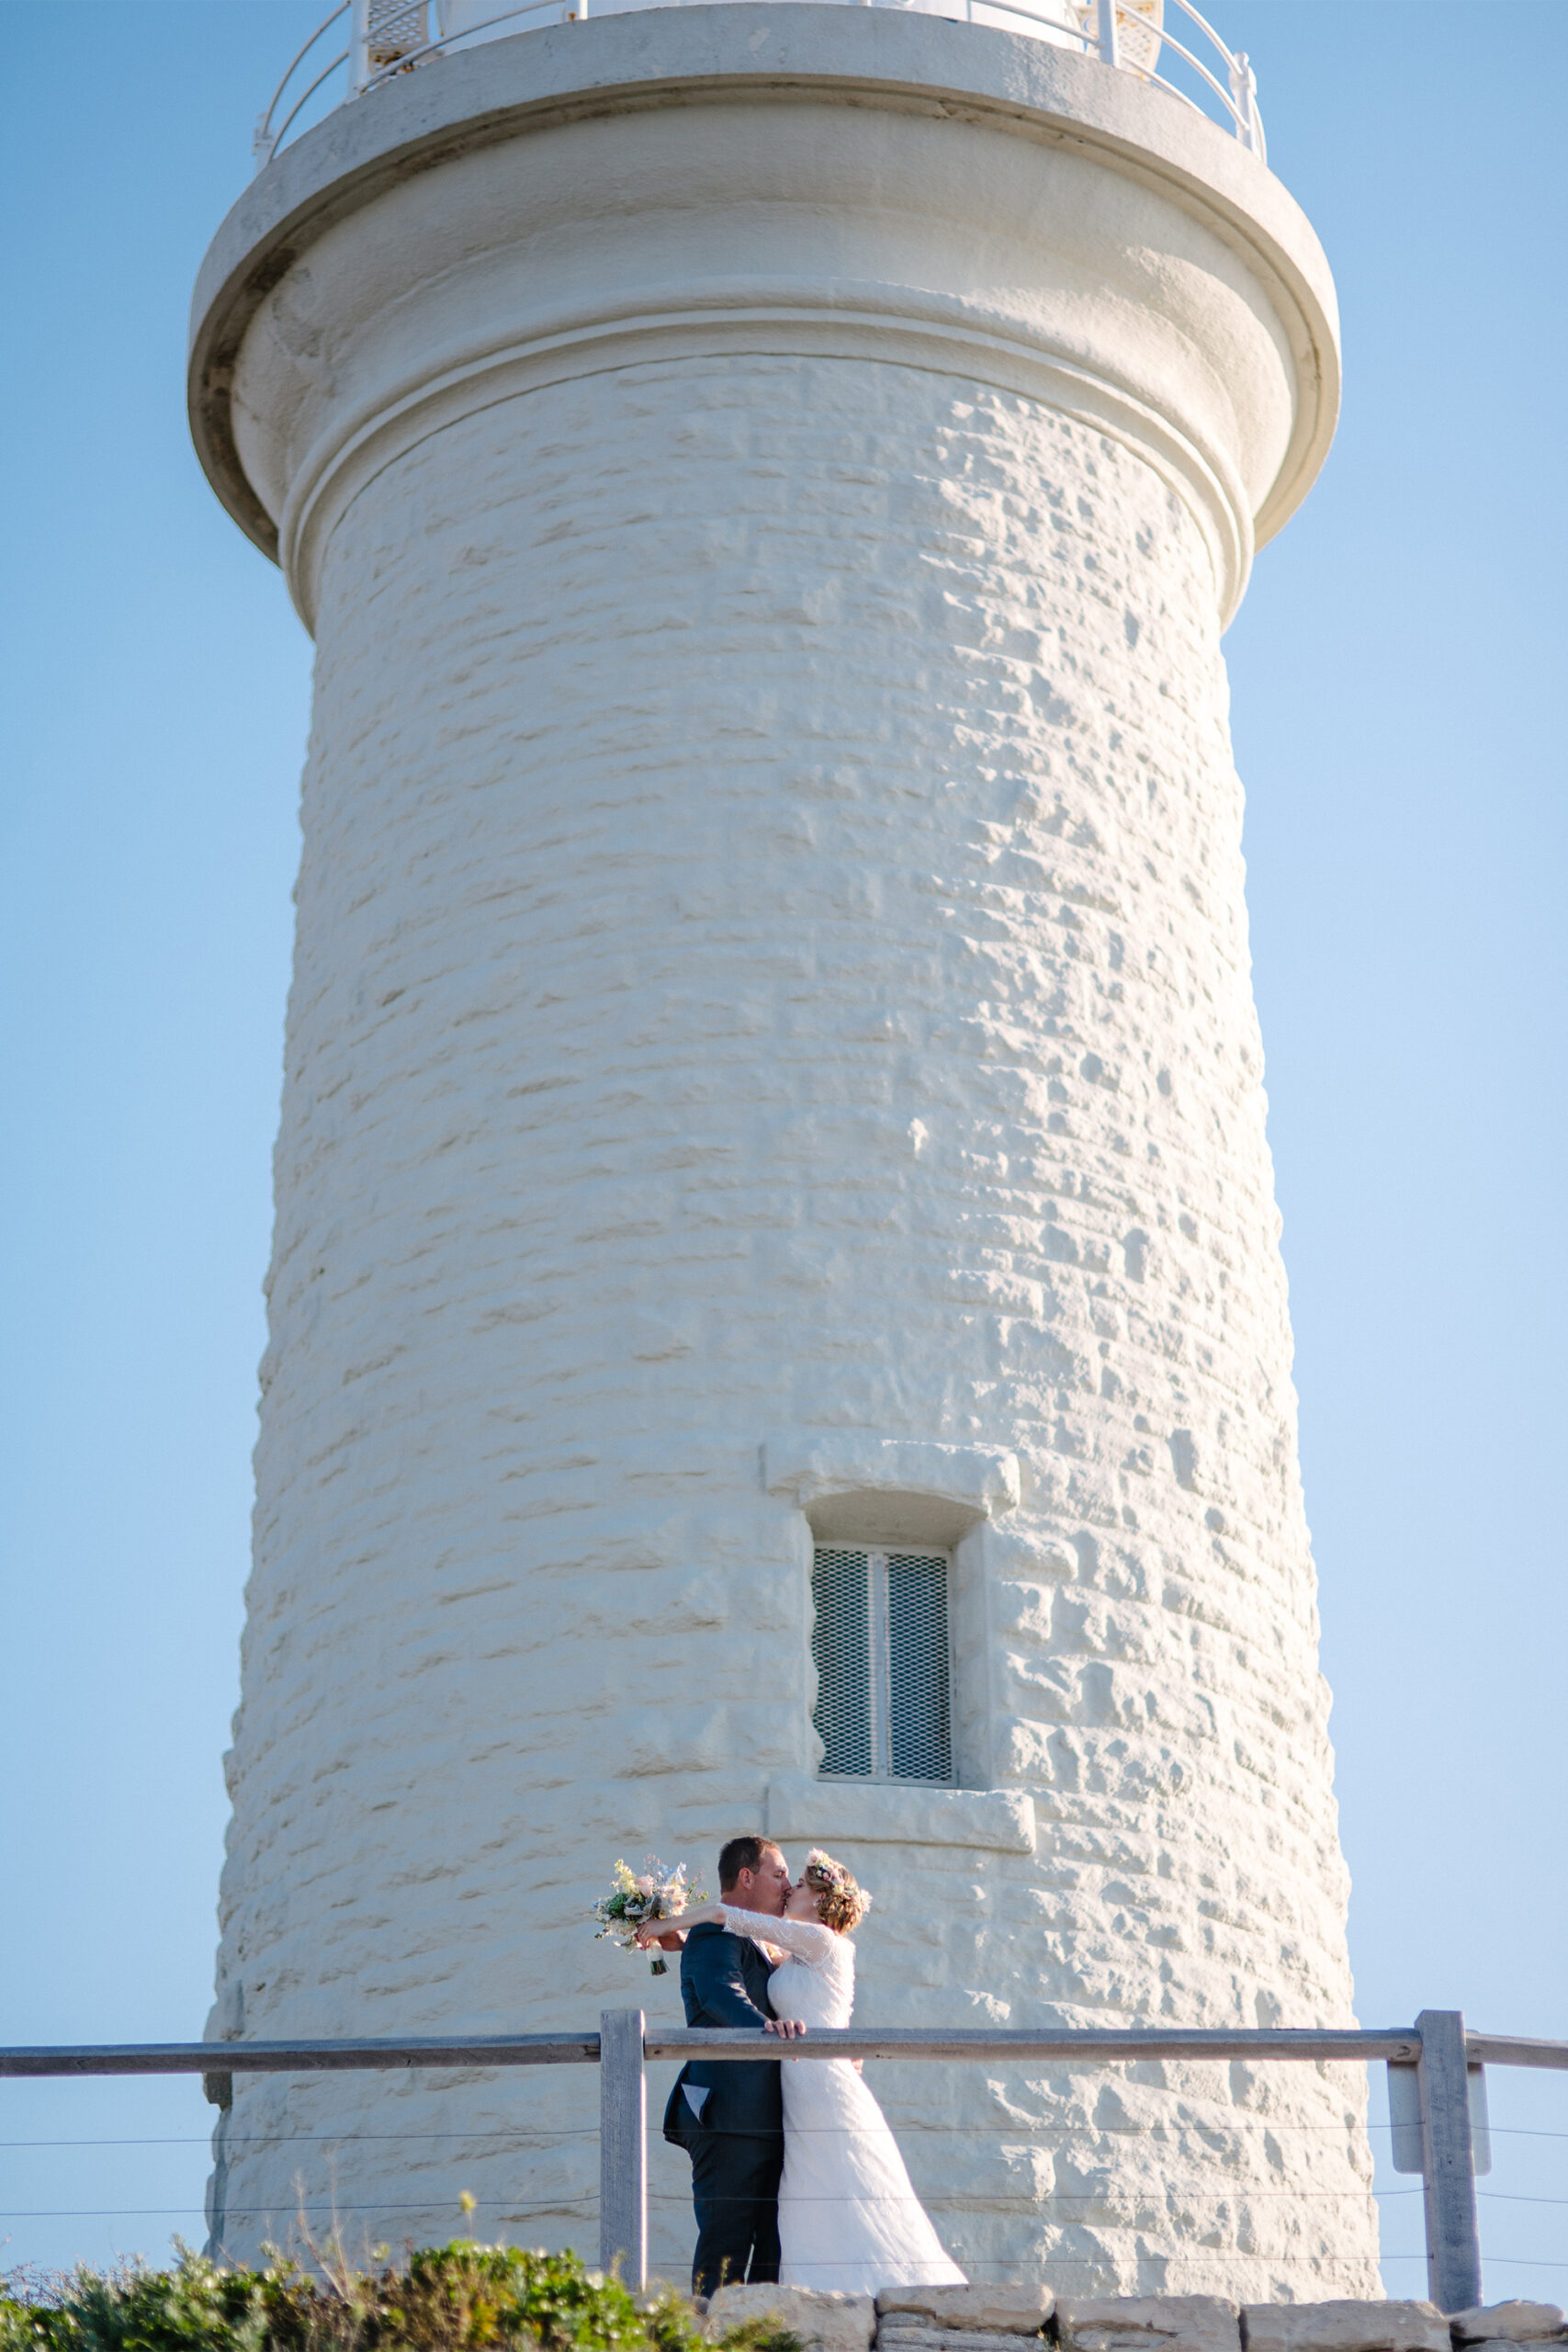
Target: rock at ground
[1515, 2322]
[1345, 2327]
[907, 2332]
[998, 2311]
[824, 2320]
[1148, 2324]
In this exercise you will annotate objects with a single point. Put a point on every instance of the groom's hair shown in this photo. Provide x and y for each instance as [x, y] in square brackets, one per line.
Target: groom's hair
[741, 1854]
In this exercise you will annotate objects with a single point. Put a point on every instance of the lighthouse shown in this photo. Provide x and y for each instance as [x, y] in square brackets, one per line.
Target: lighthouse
[776, 1312]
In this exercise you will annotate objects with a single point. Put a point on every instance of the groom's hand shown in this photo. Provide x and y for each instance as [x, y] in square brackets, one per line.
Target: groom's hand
[785, 2027]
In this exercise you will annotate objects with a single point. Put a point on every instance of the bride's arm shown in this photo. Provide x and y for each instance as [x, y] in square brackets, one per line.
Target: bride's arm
[805, 1939]
[653, 1931]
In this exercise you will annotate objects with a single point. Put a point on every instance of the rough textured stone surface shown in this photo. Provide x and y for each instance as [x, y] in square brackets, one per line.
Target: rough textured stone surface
[1002, 2309]
[824, 2322]
[773, 955]
[1511, 2323]
[914, 2335]
[1481, 2342]
[600, 1056]
[1145, 2324]
[1345, 2326]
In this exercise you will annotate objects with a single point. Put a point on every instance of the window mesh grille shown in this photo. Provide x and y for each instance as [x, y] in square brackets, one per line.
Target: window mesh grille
[919, 1743]
[840, 1644]
[880, 1644]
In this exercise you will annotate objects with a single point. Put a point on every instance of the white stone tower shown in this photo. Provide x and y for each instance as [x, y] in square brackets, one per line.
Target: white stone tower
[773, 1083]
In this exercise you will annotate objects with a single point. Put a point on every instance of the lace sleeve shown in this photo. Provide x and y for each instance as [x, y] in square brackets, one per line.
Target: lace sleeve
[805, 1938]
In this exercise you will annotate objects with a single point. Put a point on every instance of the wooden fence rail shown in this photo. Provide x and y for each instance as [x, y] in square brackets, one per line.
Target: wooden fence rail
[1445, 2061]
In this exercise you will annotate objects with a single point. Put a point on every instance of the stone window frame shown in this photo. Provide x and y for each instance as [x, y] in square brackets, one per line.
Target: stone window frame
[856, 1487]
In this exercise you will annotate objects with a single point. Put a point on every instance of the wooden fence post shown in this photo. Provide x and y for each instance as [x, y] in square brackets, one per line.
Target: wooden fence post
[623, 2146]
[1453, 2243]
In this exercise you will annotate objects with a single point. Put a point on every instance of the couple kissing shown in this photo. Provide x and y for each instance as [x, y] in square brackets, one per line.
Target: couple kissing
[795, 2177]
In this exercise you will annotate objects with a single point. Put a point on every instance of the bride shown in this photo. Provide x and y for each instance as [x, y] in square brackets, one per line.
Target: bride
[848, 2216]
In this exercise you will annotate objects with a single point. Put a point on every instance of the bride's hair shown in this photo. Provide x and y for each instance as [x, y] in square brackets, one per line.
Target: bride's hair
[840, 1904]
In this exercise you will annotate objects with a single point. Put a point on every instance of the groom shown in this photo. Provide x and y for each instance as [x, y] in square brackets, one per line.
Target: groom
[729, 2114]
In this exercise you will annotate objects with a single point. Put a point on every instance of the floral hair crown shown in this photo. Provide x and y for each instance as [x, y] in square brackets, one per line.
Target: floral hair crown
[822, 1871]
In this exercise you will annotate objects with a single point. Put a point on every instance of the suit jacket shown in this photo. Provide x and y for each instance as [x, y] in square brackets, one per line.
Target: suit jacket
[723, 1982]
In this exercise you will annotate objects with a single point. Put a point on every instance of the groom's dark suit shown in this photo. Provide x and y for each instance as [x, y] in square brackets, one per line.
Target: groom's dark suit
[736, 2142]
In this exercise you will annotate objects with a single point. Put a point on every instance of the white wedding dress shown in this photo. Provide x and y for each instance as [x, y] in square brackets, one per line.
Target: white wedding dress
[848, 2217]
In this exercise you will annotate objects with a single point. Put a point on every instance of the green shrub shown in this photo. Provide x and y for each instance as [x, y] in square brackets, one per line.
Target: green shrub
[456, 2297]
[197, 2307]
[22, 2328]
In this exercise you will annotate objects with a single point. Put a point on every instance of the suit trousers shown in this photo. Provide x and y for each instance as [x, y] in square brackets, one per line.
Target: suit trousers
[735, 2187]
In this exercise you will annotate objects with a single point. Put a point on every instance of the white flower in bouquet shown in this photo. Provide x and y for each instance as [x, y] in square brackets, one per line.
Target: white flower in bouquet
[638, 1896]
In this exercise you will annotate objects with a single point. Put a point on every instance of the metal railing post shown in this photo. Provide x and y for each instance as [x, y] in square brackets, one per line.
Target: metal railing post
[1243, 90]
[1453, 2243]
[358, 46]
[1105, 21]
[623, 2146]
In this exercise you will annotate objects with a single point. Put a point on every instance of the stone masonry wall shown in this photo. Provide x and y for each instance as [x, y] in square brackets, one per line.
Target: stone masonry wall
[772, 953]
[979, 2319]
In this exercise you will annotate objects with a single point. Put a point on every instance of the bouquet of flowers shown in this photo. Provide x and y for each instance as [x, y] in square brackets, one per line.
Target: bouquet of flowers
[652, 1893]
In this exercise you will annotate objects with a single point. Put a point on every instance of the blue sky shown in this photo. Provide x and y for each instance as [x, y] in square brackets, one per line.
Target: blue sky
[1397, 675]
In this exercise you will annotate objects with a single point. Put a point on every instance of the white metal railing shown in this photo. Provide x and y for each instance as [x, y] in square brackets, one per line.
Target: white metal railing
[385, 38]
[1436, 2082]
[271, 130]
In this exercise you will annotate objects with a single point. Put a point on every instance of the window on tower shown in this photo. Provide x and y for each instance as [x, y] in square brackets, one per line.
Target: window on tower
[880, 1642]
